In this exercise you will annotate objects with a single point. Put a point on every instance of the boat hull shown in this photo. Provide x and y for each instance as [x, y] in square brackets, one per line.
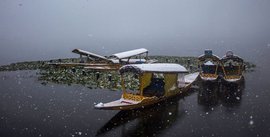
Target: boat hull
[234, 80]
[123, 104]
[210, 79]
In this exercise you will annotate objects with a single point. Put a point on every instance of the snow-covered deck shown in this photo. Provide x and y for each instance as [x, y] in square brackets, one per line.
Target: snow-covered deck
[118, 103]
[191, 77]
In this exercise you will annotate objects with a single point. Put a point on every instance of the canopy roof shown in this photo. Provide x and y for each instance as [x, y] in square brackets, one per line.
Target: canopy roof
[157, 67]
[230, 56]
[86, 53]
[208, 53]
[130, 53]
[138, 61]
[204, 57]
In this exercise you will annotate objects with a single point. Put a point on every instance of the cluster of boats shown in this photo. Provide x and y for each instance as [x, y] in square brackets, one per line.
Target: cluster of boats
[155, 82]
[229, 68]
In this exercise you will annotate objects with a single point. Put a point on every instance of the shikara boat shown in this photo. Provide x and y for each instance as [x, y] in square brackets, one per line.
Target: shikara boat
[147, 84]
[90, 60]
[233, 67]
[209, 64]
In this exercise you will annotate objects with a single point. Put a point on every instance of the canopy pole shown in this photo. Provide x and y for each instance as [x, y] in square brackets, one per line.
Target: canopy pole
[123, 85]
[141, 88]
[224, 71]
[81, 60]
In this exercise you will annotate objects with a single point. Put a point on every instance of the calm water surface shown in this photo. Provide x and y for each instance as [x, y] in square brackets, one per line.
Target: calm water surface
[28, 108]
[44, 30]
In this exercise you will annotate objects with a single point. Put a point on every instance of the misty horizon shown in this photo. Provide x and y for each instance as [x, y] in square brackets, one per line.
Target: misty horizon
[42, 30]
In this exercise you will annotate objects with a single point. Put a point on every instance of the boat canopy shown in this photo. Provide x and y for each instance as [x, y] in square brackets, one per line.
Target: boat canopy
[131, 61]
[204, 57]
[89, 54]
[230, 56]
[208, 54]
[130, 53]
[156, 67]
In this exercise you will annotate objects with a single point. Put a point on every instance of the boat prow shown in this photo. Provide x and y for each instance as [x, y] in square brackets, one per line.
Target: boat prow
[117, 105]
[125, 104]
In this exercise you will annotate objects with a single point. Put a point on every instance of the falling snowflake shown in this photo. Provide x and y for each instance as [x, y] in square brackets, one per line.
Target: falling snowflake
[251, 122]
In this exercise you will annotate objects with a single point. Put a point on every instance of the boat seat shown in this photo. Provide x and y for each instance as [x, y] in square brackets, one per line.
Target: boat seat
[155, 88]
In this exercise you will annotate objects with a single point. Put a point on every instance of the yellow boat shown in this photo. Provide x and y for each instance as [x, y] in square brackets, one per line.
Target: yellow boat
[209, 64]
[233, 67]
[147, 84]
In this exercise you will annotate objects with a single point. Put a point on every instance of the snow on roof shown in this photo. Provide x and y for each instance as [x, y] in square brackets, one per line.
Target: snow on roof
[130, 53]
[231, 56]
[87, 53]
[156, 67]
[209, 63]
[203, 56]
[129, 60]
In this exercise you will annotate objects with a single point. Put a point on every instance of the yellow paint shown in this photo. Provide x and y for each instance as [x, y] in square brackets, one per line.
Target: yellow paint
[209, 75]
[171, 87]
[145, 80]
[133, 97]
[232, 77]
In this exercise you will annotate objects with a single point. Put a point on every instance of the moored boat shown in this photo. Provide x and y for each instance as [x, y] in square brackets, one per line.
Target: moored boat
[209, 64]
[147, 84]
[233, 67]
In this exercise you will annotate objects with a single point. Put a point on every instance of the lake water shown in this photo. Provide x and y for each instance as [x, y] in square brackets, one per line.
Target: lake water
[44, 30]
[28, 108]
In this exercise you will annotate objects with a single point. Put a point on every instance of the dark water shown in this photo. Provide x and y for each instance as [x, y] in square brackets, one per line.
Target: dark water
[44, 30]
[28, 108]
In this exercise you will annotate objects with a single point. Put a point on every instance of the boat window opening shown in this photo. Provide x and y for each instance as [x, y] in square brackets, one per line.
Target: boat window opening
[209, 66]
[156, 86]
[232, 68]
[209, 69]
[131, 83]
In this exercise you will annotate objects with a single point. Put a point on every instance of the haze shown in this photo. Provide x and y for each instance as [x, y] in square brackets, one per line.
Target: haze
[50, 29]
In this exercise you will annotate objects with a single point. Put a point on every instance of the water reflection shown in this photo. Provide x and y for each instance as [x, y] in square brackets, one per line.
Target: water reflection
[231, 93]
[213, 94]
[146, 122]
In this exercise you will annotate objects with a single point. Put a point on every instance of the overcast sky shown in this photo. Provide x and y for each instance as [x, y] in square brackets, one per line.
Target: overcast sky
[47, 29]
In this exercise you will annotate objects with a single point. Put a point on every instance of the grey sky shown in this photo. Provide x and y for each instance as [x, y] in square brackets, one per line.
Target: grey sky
[46, 29]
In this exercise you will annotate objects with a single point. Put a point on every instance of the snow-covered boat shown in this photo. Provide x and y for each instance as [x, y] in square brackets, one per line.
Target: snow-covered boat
[94, 61]
[147, 84]
[233, 67]
[209, 64]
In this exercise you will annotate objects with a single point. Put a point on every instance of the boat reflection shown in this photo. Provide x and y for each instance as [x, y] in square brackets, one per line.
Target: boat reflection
[208, 94]
[146, 122]
[227, 94]
[231, 93]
